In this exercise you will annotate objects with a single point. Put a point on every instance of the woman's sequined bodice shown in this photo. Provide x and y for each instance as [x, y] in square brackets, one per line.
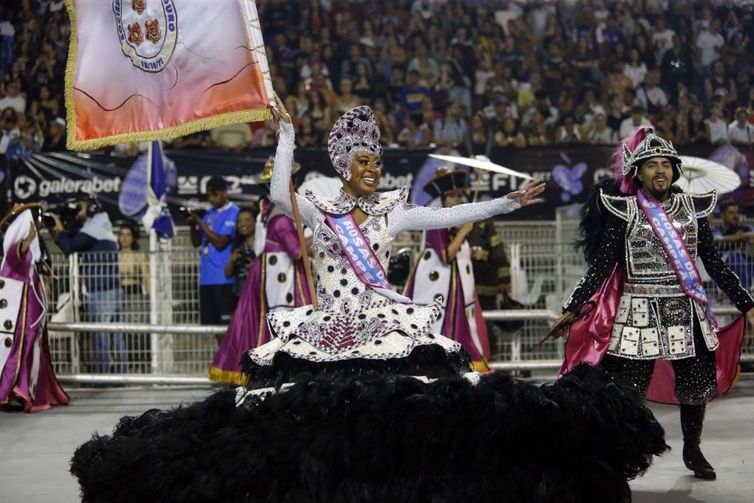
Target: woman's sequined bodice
[335, 280]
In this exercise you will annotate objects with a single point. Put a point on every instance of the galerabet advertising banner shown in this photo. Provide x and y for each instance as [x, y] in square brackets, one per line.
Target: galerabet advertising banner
[142, 70]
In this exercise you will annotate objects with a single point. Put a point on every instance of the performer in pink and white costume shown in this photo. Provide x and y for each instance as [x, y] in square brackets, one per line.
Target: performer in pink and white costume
[27, 376]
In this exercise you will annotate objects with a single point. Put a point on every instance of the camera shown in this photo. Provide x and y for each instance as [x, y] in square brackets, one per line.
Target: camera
[66, 210]
[186, 210]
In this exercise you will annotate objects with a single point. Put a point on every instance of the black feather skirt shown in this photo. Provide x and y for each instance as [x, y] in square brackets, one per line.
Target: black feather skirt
[347, 436]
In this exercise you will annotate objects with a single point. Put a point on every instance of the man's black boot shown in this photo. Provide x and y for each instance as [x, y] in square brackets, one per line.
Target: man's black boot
[692, 420]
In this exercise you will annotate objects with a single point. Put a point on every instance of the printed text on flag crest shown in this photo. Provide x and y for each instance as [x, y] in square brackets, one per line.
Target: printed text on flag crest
[147, 31]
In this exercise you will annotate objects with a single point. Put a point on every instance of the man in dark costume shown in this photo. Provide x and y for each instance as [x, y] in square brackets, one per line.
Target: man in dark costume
[649, 313]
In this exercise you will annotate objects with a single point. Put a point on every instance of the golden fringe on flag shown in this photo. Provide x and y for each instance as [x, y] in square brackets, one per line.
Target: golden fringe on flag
[139, 70]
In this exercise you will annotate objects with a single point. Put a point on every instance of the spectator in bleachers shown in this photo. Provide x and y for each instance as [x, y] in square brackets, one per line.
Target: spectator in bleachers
[306, 135]
[662, 39]
[637, 118]
[676, 65]
[422, 63]
[298, 103]
[697, 128]
[588, 106]
[553, 68]
[509, 136]
[44, 68]
[481, 136]
[651, 95]
[387, 123]
[708, 44]
[749, 104]
[450, 131]
[665, 124]
[566, 96]
[46, 106]
[463, 52]
[441, 86]
[416, 133]
[413, 93]
[617, 81]
[526, 90]
[585, 62]
[569, 132]
[395, 87]
[363, 86]
[611, 34]
[601, 133]
[741, 131]
[720, 86]
[348, 69]
[539, 134]
[55, 135]
[346, 100]
[615, 113]
[29, 140]
[543, 105]
[9, 129]
[13, 98]
[482, 74]
[716, 127]
[393, 53]
[320, 112]
[635, 69]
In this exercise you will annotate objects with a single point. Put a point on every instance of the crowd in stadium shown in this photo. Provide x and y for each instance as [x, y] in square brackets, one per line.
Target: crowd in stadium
[472, 75]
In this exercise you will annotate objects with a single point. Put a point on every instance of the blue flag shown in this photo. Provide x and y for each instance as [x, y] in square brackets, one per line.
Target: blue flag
[157, 216]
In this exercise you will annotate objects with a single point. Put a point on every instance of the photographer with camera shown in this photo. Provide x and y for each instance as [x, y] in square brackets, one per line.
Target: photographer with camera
[98, 247]
[213, 233]
[242, 255]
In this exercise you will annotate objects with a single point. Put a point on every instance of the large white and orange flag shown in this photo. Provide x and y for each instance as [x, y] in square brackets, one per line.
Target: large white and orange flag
[142, 70]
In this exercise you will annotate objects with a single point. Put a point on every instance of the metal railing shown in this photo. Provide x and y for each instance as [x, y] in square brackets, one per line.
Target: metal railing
[157, 320]
[515, 363]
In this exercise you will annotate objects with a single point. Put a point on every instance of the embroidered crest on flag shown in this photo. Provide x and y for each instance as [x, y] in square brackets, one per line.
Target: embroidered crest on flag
[147, 30]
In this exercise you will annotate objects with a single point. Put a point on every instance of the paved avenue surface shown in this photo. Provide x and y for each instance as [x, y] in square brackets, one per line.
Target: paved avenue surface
[36, 448]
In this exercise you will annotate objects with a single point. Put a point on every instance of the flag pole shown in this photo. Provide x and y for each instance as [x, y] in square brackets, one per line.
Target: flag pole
[302, 243]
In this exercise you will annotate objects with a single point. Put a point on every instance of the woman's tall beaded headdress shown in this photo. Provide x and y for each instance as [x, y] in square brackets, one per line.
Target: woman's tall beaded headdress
[355, 131]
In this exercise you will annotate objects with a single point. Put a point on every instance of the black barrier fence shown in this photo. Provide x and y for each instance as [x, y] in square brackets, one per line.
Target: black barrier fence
[569, 173]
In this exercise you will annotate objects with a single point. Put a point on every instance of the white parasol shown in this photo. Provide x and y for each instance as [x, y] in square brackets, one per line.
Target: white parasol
[481, 162]
[702, 175]
[323, 186]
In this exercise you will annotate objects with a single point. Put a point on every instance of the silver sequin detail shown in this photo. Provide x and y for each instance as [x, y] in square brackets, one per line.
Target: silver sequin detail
[355, 131]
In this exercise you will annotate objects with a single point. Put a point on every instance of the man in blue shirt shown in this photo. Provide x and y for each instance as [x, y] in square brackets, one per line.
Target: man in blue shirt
[213, 234]
[732, 237]
[98, 248]
[413, 94]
